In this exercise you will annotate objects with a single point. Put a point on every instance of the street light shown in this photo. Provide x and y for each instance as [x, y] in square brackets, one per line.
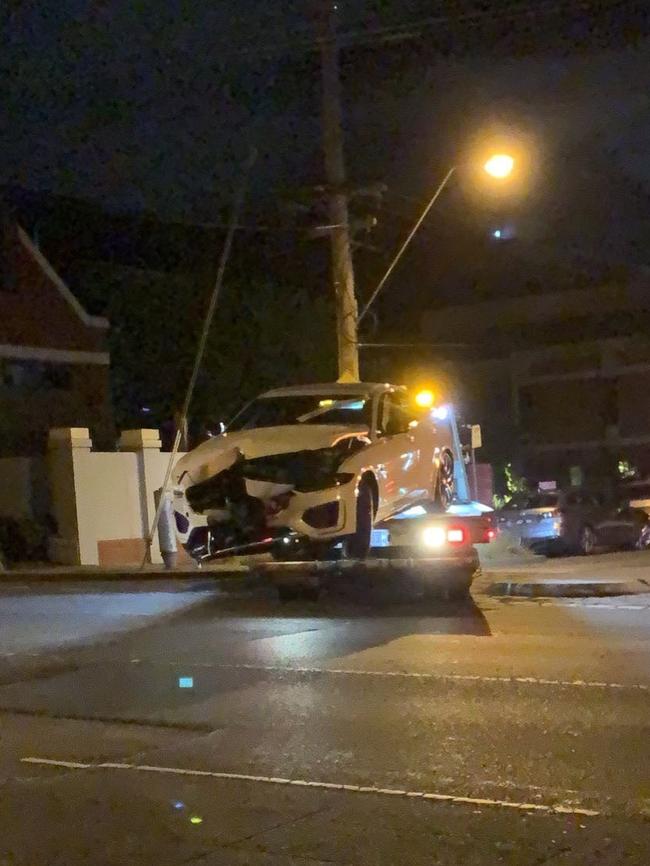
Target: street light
[499, 166]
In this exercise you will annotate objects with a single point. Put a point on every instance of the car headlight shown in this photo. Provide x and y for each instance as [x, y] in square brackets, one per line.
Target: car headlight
[434, 536]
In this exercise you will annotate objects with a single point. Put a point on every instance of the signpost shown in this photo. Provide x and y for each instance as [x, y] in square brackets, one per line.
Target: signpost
[476, 442]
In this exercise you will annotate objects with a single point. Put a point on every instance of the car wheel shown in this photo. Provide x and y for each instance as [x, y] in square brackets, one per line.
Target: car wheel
[644, 538]
[358, 545]
[444, 492]
[586, 541]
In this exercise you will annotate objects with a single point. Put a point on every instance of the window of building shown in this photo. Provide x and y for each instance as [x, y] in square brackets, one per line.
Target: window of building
[34, 376]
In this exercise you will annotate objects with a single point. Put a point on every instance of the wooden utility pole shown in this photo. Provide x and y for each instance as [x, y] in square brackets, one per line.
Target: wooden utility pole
[342, 269]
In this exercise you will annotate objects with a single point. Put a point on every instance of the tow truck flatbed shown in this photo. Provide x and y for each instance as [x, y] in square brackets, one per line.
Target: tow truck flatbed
[444, 569]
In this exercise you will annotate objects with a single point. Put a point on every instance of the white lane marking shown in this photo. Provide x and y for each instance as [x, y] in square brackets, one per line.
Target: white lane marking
[535, 681]
[335, 786]
[68, 765]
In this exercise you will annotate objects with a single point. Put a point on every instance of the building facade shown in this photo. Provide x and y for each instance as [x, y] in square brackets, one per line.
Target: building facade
[559, 381]
[54, 361]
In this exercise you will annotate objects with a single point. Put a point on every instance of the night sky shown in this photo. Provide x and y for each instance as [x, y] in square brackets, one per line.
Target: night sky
[150, 105]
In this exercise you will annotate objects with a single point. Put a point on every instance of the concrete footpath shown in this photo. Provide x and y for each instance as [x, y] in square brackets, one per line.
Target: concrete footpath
[505, 571]
[522, 574]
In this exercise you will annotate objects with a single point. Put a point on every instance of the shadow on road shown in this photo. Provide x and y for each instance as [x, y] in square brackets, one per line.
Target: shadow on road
[180, 672]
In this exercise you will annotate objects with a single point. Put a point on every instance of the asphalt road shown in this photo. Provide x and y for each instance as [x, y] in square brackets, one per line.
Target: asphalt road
[363, 730]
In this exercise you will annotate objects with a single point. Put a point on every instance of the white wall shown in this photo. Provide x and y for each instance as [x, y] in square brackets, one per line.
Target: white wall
[104, 498]
[109, 505]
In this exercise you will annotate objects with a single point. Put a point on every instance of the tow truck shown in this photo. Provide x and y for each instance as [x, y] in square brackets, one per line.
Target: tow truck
[429, 545]
[423, 548]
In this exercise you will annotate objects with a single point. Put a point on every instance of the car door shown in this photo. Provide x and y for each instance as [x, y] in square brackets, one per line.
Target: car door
[417, 457]
[395, 455]
[628, 523]
[611, 522]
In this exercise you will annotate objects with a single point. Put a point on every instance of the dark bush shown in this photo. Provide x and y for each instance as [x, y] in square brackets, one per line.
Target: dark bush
[22, 539]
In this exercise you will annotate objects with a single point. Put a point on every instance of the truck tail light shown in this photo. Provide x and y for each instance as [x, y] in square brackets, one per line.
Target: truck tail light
[456, 535]
[439, 536]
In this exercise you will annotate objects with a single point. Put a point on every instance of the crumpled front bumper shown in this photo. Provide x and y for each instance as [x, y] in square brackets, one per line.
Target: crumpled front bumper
[333, 510]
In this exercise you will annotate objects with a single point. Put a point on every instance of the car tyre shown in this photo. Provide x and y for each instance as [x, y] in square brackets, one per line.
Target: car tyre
[444, 485]
[643, 542]
[357, 546]
[586, 541]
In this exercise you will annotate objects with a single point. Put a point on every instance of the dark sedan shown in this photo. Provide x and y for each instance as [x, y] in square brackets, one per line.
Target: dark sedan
[571, 521]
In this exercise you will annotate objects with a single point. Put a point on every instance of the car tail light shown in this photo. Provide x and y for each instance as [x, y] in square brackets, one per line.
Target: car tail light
[456, 535]
[322, 516]
[489, 534]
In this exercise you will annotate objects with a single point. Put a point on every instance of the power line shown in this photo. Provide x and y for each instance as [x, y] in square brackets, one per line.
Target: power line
[417, 29]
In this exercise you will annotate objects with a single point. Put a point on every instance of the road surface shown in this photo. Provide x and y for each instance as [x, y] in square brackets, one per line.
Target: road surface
[364, 730]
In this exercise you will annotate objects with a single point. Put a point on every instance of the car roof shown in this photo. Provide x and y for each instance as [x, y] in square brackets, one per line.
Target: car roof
[332, 389]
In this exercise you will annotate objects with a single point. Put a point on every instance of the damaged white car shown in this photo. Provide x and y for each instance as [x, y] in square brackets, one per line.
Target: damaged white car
[303, 469]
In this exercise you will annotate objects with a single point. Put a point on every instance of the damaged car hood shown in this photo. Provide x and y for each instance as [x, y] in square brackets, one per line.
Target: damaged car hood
[214, 455]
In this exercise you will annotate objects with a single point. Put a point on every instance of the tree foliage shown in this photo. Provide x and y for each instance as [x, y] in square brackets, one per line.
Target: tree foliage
[514, 484]
[263, 335]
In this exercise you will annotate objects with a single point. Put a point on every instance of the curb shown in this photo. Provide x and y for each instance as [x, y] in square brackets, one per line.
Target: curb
[134, 576]
[226, 584]
[563, 589]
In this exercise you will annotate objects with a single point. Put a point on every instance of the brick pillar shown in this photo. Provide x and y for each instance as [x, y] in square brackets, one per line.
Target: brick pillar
[151, 472]
[64, 443]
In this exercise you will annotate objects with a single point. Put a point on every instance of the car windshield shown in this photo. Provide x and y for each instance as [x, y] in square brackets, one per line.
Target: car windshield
[353, 409]
[532, 500]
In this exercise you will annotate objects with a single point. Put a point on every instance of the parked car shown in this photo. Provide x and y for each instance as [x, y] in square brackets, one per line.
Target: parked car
[571, 521]
[638, 493]
[302, 468]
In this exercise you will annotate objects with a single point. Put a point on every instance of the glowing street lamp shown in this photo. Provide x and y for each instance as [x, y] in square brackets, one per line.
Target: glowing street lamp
[500, 165]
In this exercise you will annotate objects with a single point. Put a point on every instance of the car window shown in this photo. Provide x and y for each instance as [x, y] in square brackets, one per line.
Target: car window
[323, 408]
[637, 491]
[393, 418]
[533, 500]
